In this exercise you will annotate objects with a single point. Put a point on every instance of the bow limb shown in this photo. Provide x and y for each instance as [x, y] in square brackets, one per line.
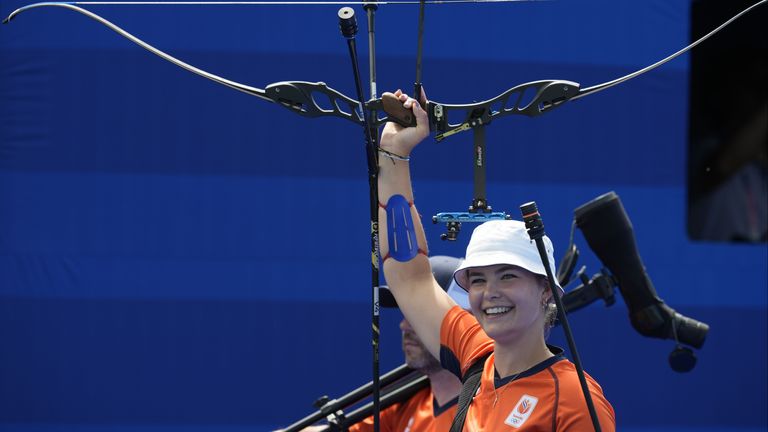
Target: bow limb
[603, 86]
[546, 95]
[297, 96]
[253, 91]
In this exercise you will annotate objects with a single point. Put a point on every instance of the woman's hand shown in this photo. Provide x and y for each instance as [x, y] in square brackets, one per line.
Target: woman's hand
[401, 140]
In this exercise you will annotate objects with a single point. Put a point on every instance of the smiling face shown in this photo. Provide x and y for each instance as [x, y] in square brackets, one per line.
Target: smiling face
[507, 301]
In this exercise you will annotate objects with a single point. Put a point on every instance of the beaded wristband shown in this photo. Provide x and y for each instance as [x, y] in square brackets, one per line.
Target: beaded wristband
[394, 156]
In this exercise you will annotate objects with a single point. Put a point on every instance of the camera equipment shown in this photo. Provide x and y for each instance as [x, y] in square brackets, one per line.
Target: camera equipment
[609, 233]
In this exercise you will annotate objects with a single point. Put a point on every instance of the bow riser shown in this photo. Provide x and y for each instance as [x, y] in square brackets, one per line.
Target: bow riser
[548, 94]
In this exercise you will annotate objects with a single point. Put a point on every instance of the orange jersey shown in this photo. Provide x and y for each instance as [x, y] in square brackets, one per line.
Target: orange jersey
[546, 397]
[420, 413]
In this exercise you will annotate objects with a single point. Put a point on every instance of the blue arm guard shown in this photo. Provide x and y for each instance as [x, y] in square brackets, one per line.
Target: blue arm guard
[401, 233]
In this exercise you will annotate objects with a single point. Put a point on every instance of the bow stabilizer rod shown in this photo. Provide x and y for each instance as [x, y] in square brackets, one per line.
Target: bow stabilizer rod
[419, 54]
[348, 27]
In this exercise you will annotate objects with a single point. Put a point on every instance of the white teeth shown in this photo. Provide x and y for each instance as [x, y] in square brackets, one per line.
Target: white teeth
[497, 310]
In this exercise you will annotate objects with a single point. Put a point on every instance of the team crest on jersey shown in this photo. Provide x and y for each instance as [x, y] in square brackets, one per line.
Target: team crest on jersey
[522, 411]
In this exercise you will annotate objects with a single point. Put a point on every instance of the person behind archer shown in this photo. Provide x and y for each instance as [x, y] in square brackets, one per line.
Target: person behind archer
[525, 384]
[431, 409]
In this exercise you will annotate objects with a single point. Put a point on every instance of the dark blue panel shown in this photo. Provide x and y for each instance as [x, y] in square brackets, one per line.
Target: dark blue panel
[241, 362]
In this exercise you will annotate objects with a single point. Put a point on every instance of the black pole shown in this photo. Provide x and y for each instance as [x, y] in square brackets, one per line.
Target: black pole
[400, 394]
[373, 136]
[419, 51]
[348, 26]
[535, 227]
[479, 203]
[370, 9]
[395, 377]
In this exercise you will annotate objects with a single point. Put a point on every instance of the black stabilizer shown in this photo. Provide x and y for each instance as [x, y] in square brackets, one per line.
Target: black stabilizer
[535, 227]
[609, 233]
[532, 220]
[348, 27]
[347, 22]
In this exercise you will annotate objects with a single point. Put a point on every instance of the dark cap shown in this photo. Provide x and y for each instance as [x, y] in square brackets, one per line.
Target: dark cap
[442, 268]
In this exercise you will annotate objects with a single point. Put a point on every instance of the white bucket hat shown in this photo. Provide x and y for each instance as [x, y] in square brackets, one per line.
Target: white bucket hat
[504, 242]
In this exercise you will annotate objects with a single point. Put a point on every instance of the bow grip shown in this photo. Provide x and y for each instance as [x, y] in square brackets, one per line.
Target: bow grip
[396, 112]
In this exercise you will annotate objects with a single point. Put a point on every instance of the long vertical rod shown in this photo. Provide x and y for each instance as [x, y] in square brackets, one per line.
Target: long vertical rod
[478, 164]
[373, 137]
[348, 27]
[370, 8]
[419, 51]
[535, 227]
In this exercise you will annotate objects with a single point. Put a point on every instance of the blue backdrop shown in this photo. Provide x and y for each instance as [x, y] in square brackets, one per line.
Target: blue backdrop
[175, 255]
